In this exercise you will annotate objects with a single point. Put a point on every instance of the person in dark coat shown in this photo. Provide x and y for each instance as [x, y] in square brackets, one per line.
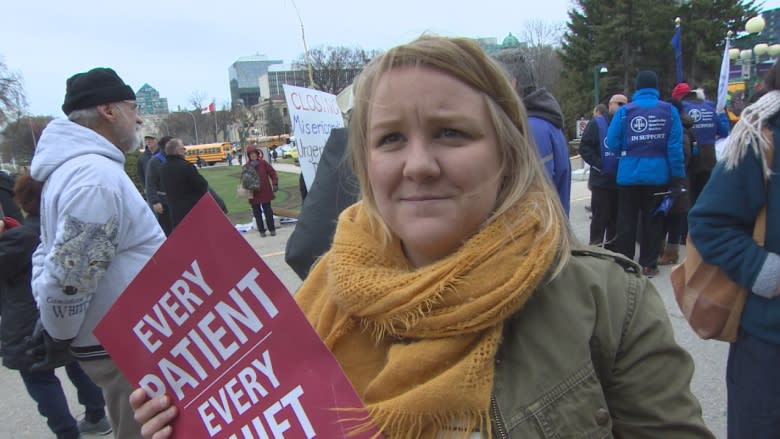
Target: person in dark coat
[19, 315]
[676, 223]
[182, 181]
[150, 148]
[7, 197]
[155, 191]
[261, 198]
[334, 189]
[601, 178]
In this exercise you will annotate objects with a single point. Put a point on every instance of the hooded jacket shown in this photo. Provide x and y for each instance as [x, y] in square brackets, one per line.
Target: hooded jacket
[96, 233]
[18, 309]
[546, 121]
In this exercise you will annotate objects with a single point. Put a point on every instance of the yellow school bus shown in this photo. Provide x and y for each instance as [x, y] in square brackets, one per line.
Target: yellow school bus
[209, 153]
[271, 141]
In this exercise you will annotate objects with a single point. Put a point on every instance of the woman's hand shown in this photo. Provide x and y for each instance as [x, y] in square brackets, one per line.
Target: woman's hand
[154, 415]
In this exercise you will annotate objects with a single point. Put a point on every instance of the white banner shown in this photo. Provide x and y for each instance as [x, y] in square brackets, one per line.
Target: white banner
[313, 114]
[723, 81]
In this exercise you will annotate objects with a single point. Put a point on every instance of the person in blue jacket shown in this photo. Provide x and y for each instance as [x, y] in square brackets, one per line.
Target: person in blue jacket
[545, 120]
[708, 126]
[647, 135]
[721, 225]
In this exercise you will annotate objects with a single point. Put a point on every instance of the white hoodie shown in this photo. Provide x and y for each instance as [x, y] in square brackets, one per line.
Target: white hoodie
[96, 232]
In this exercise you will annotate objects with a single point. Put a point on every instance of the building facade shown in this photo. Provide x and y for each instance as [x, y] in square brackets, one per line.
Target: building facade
[277, 75]
[244, 75]
[491, 45]
[150, 102]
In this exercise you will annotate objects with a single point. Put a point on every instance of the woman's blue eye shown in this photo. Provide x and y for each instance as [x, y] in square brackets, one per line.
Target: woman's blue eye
[390, 138]
[449, 132]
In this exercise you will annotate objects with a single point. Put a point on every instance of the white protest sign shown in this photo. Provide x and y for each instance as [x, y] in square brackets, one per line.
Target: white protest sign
[313, 114]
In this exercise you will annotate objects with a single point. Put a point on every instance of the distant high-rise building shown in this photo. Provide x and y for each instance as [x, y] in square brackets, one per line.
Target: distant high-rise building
[245, 76]
[150, 102]
[277, 75]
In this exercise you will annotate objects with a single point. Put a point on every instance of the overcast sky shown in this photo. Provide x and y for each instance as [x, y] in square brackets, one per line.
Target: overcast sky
[182, 47]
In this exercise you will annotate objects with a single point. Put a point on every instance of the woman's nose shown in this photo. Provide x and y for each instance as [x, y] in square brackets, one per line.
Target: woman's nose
[421, 161]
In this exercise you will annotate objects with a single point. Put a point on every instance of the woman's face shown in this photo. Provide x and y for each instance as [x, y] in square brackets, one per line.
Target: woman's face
[252, 155]
[433, 160]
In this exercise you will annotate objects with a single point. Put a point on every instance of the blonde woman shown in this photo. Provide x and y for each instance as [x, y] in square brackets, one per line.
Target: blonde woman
[451, 296]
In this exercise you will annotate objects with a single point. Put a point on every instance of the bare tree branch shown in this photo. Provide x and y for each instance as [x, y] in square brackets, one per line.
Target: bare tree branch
[334, 68]
[539, 33]
[12, 98]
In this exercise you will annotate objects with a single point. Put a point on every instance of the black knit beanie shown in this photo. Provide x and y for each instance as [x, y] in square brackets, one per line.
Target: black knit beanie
[97, 86]
[646, 79]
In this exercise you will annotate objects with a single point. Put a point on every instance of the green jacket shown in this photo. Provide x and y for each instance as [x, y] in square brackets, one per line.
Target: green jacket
[592, 355]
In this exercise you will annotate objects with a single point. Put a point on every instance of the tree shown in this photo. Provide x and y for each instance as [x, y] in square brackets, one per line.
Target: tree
[274, 123]
[539, 33]
[198, 99]
[21, 136]
[539, 48]
[12, 99]
[633, 35]
[185, 124]
[334, 68]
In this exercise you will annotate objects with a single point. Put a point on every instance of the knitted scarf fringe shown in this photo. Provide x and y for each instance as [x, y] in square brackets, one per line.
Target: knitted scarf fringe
[441, 426]
[748, 132]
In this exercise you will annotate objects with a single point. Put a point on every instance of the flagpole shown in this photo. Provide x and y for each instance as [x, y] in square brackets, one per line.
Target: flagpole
[213, 102]
[305, 47]
[677, 44]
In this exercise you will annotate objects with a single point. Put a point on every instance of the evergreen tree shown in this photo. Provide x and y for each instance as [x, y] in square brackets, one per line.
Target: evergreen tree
[633, 35]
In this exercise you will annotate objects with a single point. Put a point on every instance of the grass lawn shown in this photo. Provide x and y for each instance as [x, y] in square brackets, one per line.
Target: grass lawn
[224, 180]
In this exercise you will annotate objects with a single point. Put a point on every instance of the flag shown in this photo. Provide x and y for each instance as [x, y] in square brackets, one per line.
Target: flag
[723, 81]
[210, 109]
[677, 44]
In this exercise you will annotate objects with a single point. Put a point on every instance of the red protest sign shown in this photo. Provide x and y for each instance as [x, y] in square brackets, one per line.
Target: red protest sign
[208, 323]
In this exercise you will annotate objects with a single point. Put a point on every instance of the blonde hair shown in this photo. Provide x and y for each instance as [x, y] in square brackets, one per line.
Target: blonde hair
[463, 59]
[747, 134]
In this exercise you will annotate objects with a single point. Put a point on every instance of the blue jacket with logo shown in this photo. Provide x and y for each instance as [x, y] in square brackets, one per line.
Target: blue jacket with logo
[708, 126]
[646, 167]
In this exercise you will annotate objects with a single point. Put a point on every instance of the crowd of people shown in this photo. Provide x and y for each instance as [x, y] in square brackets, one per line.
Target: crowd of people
[450, 289]
[649, 160]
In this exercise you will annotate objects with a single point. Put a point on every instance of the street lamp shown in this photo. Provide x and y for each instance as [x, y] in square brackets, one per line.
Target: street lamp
[195, 124]
[597, 70]
[749, 58]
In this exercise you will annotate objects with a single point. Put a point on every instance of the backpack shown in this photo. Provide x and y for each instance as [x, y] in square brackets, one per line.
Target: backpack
[249, 178]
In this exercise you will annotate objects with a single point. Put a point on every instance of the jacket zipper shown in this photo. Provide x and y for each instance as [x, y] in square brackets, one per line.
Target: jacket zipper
[496, 415]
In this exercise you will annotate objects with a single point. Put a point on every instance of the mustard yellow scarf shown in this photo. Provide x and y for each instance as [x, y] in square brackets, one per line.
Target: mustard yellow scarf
[418, 345]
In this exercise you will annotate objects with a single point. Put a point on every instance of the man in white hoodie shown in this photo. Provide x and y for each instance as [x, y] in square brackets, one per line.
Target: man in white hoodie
[96, 230]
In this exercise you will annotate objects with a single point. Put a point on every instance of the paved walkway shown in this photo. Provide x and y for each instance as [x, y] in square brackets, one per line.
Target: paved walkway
[21, 420]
